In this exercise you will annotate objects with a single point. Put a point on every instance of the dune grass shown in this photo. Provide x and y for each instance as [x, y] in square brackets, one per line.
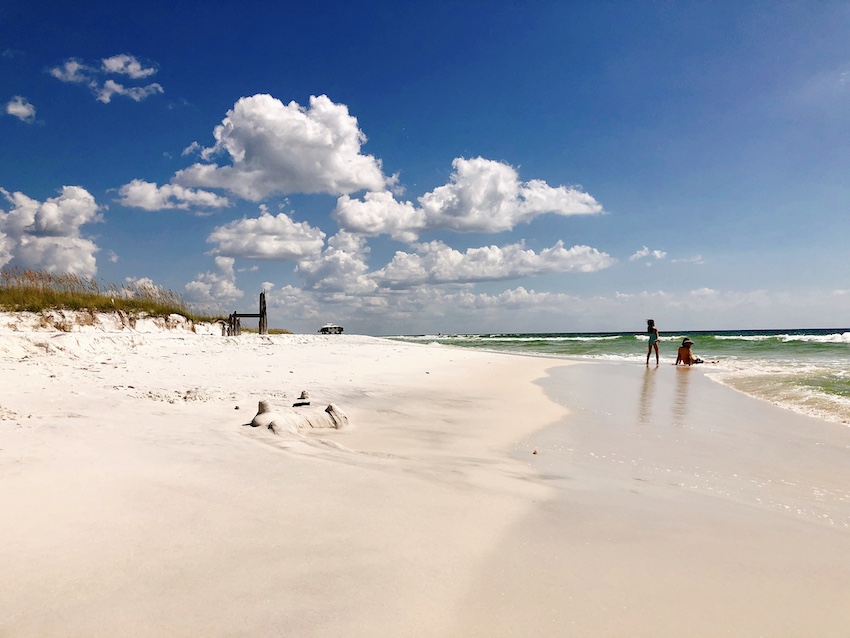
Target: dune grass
[38, 290]
[272, 331]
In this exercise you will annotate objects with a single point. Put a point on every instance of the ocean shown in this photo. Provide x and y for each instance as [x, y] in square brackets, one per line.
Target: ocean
[803, 370]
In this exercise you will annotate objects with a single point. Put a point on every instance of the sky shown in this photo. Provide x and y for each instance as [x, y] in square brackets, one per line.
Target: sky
[438, 167]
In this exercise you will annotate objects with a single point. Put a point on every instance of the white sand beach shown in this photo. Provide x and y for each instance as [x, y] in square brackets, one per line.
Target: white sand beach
[136, 501]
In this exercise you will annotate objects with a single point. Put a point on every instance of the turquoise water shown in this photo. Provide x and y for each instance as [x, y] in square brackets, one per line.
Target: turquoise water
[803, 370]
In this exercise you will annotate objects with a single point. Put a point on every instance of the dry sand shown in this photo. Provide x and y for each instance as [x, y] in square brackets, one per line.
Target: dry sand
[136, 502]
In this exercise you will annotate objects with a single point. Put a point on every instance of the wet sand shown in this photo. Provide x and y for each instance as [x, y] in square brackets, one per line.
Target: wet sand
[682, 508]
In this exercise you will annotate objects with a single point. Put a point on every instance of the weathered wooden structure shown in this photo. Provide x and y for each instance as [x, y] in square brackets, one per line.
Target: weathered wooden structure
[234, 321]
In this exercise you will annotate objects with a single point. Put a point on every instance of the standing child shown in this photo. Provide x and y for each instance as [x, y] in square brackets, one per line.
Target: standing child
[653, 340]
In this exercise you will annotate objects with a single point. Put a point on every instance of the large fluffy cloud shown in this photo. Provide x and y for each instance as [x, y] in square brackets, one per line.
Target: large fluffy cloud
[267, 237]
[274, 147]
[487, 196]
[437, 263]
[340, 268]
[379, 213]
[150, 196]
[482, 196]
[47, 235]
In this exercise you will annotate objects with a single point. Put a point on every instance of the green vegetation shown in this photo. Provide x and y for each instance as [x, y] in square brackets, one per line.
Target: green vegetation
[37, 291]
[272, 331]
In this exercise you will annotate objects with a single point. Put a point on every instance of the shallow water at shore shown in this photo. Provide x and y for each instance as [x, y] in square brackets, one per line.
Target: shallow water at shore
[676, 497]
[805, 370]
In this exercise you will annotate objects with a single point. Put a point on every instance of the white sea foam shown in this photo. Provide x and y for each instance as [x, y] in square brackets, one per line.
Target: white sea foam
[843, 337]
[507, 338]
[745, 337]
[808, 387]
[837, 337]
[605, 338]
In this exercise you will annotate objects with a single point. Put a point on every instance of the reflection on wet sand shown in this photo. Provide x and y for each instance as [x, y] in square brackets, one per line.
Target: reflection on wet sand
[680, 401]
[647, 391]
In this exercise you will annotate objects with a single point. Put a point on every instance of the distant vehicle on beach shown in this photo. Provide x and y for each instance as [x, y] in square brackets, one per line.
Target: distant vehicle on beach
[330, 329]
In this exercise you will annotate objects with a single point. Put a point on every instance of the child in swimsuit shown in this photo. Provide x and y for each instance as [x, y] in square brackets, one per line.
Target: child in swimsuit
[653, 340]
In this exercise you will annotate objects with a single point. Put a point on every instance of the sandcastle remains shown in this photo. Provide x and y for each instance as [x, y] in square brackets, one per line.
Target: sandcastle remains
[295, 420]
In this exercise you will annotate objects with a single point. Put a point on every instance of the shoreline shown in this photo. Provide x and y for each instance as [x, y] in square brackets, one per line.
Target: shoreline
[801, 369]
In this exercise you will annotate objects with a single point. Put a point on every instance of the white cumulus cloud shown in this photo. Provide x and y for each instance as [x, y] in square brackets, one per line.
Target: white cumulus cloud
[124, 64]
[340, 268]
[297, 304]
[47, 235]
[215, 289]
[7, 248]
[274, 147]
[267, 237]
[646, 252]
[150, 196]
[487, 196]
[482, 196]
[379, 213]
[135, 93]
[437, 263]
[21, 108]
[72, 70]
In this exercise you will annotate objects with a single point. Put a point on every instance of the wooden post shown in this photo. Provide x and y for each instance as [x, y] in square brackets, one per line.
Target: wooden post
[264, 320]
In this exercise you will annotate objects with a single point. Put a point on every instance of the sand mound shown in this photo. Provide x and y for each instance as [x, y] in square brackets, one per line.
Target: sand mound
[296, 420]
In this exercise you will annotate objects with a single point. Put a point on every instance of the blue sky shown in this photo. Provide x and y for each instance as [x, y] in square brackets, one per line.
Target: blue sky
[438, 166]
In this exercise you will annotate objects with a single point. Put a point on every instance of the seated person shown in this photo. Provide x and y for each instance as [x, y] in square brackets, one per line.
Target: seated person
[685, 355]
